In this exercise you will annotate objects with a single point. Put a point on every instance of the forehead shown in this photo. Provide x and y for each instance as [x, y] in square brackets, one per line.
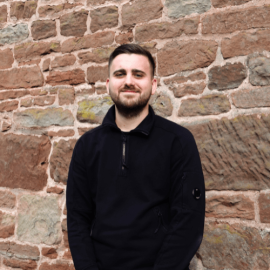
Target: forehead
[131, 61]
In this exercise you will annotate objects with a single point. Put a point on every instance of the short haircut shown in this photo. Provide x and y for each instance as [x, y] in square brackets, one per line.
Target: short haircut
[133, 49]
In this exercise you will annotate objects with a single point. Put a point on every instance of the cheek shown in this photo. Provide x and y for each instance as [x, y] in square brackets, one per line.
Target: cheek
[115, 84]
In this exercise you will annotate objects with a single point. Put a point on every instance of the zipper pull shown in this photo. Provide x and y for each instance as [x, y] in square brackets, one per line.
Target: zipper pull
[92, 227]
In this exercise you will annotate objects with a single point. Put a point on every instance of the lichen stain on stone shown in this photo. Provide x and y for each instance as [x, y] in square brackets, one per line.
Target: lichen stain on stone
[229, 229]
[54, 45]
[213, 239]
[85, 107]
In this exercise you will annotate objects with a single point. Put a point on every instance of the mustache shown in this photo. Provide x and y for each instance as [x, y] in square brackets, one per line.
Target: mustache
[126, 88]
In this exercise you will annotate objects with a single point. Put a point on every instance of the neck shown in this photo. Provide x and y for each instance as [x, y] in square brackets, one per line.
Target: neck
[129, 123]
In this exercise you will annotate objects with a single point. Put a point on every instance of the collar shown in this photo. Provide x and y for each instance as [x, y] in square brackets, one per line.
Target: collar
[144, 127]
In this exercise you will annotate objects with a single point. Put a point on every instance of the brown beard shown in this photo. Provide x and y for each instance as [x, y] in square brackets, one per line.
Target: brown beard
[134, 108]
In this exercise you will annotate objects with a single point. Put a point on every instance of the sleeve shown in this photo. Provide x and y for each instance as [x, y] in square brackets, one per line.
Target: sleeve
[187, 207]
[80, 212]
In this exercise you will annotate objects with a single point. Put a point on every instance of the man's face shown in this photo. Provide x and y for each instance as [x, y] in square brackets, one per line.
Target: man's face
[130, 83]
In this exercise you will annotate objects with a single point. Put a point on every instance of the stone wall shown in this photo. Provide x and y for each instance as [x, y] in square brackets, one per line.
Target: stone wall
[213, 69]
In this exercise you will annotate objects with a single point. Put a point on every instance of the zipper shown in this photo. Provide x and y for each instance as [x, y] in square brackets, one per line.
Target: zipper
[92, 227]
[160, 222]
[124, 153]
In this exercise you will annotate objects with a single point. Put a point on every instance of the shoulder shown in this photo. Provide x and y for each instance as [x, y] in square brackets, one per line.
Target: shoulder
[176, 130]
[89, 137]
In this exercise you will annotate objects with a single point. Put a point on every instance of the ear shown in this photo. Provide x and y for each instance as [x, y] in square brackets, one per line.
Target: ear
[154, 86]
[107, 85]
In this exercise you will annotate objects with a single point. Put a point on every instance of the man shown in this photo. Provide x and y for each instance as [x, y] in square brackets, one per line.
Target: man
[135, 190]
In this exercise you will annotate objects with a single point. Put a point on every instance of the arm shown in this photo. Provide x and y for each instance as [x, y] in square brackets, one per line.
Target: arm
[187, 213]
[80, 212]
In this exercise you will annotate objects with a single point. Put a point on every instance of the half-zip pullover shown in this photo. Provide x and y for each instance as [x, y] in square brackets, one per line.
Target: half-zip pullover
[135, 200]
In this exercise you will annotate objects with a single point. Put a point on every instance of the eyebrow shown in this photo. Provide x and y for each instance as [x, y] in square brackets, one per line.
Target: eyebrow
[133, 70]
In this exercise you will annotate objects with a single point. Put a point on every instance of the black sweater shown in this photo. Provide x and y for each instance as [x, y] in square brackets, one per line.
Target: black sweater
[135, 200]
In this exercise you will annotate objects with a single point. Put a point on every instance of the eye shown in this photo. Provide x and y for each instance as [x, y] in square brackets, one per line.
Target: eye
[119, 74]
[138, 75]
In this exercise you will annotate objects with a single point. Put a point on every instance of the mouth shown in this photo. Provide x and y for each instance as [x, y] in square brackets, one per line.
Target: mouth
[129, 91]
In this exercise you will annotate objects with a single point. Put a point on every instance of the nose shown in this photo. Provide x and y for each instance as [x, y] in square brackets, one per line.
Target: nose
[129, 80]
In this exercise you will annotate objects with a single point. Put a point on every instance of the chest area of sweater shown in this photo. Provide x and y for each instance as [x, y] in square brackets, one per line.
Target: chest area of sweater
[135, 165]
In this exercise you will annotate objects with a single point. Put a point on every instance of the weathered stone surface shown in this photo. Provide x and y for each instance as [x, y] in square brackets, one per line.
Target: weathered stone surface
[21, 264]
[74, 24]
[225, 3]
[63, 61]
[58, 265]
[88, 41]
[6, 126]
[26, 77]
[179, 56]
[179, 79]
[101, 89]
[258, 97]
[161, 104]
[66, 96]
[27, 175]
[245, 43]
[226, 206]
[13, 94]
[85, 92]
[161, 30]
[60, 160]
[141, 11]
[124, 38]
[93, 111]
[236, 20]
[26, 102]
[179, 8]
[32, 50]
[9, 105]
[259, 67]
[7, 59]
[64, 224]
[229, 76]
[23, 10]
[7, 199]
[43, 29]
[65, 210]
[39, 220]
[12, 34]
[30, 63]
[43, 118]
[49, 252]
[38, 92]
[46, 64]
[105, 17]
[70, 77]
[83, 130]
[44, 101]
[99, 55]
[188, 89]
[95, 74]
[24, 252]
[65, 237]
[264, 206]
[7, 225]
[3, 14]
[100, 2]
[234, 152]
[67, 255]
[55, 189]
[206, 105]
[55, 10]
[244, 247]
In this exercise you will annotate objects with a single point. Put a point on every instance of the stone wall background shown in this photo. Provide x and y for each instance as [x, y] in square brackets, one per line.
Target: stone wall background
[213, 68]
